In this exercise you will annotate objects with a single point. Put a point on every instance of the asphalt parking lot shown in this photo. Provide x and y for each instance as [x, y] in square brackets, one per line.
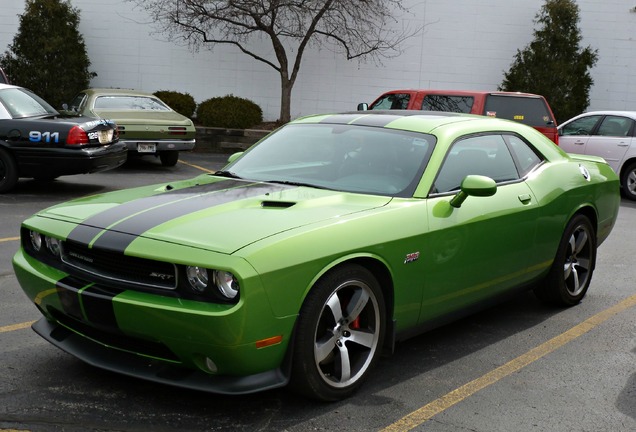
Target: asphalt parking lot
[519, 366]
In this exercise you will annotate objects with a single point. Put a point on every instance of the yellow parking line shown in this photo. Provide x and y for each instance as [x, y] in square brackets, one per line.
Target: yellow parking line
[14, 327]
[196, 166]
[8, 239]
[425, 413]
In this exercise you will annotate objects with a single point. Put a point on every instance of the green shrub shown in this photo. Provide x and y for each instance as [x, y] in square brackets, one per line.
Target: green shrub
[230, 112]
[183, 103]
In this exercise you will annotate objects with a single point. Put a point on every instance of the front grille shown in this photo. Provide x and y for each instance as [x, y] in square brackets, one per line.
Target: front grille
[119, 267]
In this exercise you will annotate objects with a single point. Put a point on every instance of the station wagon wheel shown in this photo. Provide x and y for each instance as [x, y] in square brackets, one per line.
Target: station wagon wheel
[628, 181]
[339, 334]
[169, 158]
[8, 171]
[572, 269]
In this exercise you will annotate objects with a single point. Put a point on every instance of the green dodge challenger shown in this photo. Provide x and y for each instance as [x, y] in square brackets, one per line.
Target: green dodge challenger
[321, 246]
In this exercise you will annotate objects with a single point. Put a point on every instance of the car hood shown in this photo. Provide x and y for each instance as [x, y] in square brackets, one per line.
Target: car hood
[144, 117]
[212, 213]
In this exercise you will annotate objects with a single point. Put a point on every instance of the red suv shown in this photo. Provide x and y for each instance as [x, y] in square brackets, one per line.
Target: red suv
[530, 109]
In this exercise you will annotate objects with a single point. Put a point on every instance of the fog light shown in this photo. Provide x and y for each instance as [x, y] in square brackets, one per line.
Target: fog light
[54, 246]
[210, 365]
[198, 278]
[36, 240]
[226, 283]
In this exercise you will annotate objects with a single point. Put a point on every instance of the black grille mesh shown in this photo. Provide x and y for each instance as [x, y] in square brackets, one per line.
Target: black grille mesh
[119, 267]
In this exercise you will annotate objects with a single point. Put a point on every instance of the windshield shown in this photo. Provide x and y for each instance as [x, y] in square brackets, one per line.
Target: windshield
[21, 103]
[349, 158]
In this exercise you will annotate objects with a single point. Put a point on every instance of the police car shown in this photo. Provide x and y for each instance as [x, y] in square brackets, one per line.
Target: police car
[36, 142]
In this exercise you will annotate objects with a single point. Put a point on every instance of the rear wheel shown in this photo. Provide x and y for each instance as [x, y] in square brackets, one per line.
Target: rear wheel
[572, 269]
[628, 181]
[8, 171]
[169, 158]
[339, 334]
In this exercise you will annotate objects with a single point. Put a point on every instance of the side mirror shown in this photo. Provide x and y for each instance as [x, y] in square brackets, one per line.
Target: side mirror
[474, 185]
[234, 156]
[363, 106]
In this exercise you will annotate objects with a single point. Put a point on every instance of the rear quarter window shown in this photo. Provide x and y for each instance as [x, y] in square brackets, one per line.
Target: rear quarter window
[531, 111]
[449, 103]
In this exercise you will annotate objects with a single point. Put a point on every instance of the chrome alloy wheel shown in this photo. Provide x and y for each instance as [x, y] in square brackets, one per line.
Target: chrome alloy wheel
[578, 261]
[347, 334]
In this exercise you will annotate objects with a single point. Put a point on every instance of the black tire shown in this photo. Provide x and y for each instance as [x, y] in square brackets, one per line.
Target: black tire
[573, 266]
[628, 181]
[338, 341]
[169, 158]
[8, 171]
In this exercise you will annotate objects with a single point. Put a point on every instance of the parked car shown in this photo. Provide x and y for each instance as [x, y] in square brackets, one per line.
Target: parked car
[529, 109]
[609, 134]
[146, 124]
[36, 142]
[328, 241]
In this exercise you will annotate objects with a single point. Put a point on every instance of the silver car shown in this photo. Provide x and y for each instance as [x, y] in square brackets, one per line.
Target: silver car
[609, 134]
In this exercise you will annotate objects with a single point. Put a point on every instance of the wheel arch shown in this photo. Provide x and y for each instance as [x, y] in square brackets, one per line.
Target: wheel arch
[382, 273]
[625, 166]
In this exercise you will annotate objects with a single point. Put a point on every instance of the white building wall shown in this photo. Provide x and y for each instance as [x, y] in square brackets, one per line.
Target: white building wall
[466, 44]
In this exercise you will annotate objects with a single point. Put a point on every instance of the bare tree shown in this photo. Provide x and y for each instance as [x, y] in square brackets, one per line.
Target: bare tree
[358, 29]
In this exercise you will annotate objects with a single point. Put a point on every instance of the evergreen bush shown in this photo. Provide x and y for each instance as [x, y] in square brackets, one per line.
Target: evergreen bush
[230, 112]
[48, 53]
[183, 103]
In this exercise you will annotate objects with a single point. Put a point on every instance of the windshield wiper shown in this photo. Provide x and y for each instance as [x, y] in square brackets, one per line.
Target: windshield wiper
[228, 174]
[295, 183]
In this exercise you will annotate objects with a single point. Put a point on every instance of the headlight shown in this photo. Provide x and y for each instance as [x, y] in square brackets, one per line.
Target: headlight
[198, 278]
[217, 283]
[54, 246]
[36, 240]
[226, 283]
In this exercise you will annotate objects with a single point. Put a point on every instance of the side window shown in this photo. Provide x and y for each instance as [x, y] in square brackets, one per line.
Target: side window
[615, 126]
[460, 104]
[392, 101]
[581, 126]
[486, 155]
[524, 155]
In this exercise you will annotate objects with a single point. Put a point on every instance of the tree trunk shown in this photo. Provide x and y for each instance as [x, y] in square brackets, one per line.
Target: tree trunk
[286, 86]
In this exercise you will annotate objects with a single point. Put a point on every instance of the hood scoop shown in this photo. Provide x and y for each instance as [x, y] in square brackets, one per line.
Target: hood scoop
[277, 204]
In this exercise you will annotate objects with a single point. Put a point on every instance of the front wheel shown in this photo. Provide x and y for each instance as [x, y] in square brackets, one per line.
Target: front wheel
[572, 269]
[339, 335]
[628, 182]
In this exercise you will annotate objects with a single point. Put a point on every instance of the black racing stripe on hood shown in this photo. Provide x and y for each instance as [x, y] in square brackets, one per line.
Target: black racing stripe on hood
[87, 231]
[121, 234]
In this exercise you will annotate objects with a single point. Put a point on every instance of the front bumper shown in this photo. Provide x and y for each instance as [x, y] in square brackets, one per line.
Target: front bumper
[164, 339]
[149, 369]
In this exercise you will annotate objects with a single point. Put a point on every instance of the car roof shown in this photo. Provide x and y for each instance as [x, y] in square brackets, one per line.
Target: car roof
[464, 92]
[631, 114]
[5, 86]
[413, 120]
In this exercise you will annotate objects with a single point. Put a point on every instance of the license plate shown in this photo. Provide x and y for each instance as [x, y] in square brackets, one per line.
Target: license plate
[105, 136]
[146, 148]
